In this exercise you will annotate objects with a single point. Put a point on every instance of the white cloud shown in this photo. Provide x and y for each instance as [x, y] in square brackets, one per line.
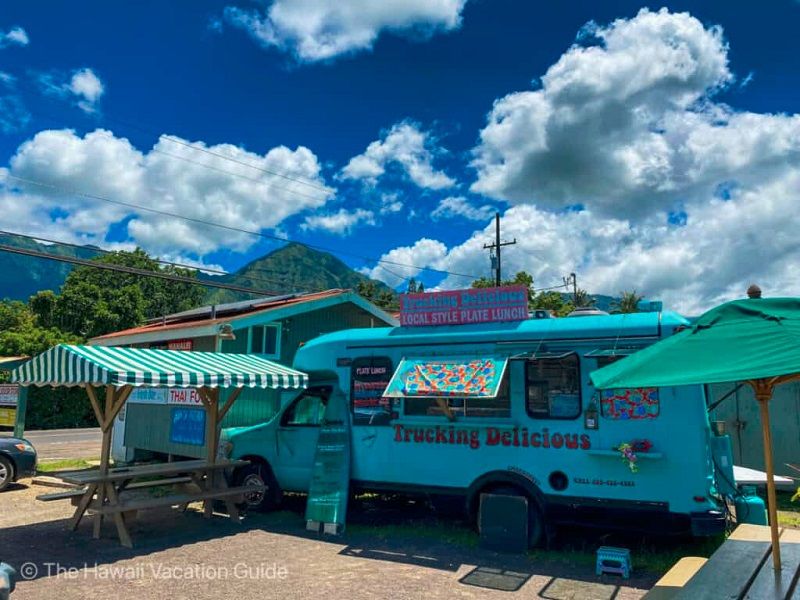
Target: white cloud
[341, 222]
[397, 266]
[16, 36]
[315, 30]
[83, 87]
[390, 204]
[99, 163]
[408, 147]
[609, 127]
[13, 114]
[458, 206]
[630, 131]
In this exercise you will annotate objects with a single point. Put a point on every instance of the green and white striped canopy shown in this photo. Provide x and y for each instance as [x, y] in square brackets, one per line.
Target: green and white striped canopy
[66, 365]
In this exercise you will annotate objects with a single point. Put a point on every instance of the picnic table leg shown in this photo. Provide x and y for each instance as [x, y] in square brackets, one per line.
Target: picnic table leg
[82, 506]
[98, 516]
[119, 521]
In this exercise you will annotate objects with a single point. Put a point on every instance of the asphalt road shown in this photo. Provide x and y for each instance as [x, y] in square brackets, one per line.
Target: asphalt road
[58, 444]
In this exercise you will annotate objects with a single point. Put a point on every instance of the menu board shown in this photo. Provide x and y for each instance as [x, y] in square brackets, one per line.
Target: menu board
[9, 395]
[370, 377]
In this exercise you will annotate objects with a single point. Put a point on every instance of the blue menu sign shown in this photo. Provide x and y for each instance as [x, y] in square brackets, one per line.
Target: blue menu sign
[188, 426]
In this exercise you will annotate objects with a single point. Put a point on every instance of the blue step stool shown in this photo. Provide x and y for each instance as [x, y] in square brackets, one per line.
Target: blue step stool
[613, 560]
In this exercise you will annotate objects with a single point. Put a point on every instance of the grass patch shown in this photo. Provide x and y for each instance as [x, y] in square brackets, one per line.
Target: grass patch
[69, 464]
[443, 532]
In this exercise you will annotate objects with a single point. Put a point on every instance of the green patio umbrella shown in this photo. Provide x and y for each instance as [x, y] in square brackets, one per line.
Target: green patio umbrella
[756, 341]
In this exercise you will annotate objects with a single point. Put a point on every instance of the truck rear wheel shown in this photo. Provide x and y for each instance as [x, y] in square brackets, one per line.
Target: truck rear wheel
[258, 474]
[535, 517]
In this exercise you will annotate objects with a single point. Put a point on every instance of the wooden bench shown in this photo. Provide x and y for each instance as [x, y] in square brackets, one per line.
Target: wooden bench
[677, 577]
[65, 495]
[741, 568]
[136, 504]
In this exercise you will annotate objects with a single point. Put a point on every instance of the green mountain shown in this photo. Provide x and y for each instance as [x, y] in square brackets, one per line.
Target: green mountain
[292, 268]
[22, 276]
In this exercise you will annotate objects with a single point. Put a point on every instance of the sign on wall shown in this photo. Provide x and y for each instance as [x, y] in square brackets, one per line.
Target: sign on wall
[187, 426]
[182, 396]
[463, 307]
[183, 345]
[9, 395]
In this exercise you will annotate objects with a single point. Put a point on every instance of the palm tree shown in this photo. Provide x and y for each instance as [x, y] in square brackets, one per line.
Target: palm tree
[583, 299]
[628, 302]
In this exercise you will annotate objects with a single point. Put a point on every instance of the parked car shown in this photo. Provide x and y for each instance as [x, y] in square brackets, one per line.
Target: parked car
[17, 459]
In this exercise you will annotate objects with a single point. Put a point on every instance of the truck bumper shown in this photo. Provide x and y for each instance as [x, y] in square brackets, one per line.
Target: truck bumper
[708, 523]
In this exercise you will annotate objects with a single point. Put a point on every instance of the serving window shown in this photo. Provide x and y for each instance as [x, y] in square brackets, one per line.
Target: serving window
[553, 387]
[498, 407]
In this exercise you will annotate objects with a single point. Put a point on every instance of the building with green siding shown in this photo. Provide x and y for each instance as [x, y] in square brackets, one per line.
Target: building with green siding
[273, 327]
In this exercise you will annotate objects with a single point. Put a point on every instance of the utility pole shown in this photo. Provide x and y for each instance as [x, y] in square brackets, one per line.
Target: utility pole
[574, 281]
[496, 248]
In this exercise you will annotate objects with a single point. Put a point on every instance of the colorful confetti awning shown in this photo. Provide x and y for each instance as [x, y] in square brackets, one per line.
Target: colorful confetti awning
[455, 377]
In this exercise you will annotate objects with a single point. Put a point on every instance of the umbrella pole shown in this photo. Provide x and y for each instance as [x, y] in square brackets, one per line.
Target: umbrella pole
[763, 395]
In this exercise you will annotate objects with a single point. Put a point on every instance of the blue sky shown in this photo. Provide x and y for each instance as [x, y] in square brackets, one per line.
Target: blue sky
[91, 87]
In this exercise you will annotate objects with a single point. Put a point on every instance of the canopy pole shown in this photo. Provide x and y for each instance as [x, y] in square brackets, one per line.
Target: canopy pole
[763, 392]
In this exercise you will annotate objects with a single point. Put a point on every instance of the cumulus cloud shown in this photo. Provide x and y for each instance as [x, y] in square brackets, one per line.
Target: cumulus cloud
[423, 253]
[406, 146]
[315, 30]
[612, 125]
[623, 168]
[16, 36]
[83, 87]
[341, 222]
[170, 177]
[458, 206]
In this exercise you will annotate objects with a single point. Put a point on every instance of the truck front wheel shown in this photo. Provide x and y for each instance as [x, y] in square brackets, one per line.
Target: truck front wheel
[258, 474]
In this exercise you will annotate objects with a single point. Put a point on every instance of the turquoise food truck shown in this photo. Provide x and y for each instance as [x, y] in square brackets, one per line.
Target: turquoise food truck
[461, 410]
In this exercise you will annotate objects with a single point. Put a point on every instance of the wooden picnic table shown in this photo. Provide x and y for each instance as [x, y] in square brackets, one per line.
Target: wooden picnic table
[103, 494]
[741, 568]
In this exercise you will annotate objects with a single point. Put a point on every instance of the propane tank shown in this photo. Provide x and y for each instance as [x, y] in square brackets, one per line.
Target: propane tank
[750, 508]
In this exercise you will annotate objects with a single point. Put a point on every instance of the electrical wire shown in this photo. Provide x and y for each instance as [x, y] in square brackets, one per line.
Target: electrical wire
[158, 260]
[225, 227]
[135, 271]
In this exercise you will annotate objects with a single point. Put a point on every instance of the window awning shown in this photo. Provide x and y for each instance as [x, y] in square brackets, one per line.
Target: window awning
[437, 377]
[67, 365]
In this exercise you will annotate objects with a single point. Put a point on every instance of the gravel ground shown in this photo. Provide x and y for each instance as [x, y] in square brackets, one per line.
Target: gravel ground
[183, 556]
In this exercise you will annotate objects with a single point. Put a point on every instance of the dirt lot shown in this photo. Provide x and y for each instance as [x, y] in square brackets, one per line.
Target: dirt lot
[410, 555]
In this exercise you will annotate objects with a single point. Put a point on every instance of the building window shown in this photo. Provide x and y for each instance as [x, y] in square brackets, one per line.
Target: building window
[265, 340]
[498, 407]
[553, 387]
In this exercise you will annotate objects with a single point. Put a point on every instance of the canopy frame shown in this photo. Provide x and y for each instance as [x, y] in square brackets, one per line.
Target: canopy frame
[115, 369]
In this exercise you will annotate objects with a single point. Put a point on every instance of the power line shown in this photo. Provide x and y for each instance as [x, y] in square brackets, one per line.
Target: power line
[135, 271]
[228, 227]
[158, 260]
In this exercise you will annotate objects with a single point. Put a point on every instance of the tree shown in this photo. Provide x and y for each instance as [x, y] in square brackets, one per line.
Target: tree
[628, 302]
[583, 299]
[412, 286]
[22, 335]
[521, 278]
[552, 301]
[97, 301]
[380, 296]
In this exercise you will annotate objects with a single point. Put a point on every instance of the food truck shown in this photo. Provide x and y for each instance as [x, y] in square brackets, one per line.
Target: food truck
[503, 406]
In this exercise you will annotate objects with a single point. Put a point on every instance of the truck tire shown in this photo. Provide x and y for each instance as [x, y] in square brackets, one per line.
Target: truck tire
[535, 518]
[6, 473]
[258, 473]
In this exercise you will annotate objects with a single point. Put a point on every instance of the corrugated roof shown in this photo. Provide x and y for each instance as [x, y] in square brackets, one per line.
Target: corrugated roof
[201, 316]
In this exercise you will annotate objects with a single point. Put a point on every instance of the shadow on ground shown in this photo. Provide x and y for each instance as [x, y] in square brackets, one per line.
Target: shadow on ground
[389, 529]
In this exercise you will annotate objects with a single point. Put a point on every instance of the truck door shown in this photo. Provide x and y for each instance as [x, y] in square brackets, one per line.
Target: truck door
[297, 438]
